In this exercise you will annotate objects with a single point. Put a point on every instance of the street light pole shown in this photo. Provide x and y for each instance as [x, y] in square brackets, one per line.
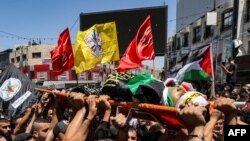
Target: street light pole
[234, 25]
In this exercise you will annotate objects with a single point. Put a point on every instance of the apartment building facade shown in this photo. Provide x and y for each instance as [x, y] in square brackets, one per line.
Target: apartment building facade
[197, 33]
[4, 57]
[35, 61]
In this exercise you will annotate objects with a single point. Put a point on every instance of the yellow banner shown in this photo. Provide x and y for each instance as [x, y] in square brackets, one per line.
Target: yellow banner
[96, 45]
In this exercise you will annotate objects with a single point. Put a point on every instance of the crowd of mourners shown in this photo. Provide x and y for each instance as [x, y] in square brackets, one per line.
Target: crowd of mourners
[79, 118]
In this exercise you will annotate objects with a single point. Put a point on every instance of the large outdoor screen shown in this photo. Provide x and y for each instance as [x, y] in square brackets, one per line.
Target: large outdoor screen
[128, 22]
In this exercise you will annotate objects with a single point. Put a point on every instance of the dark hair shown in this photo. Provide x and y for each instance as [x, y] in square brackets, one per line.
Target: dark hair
[39, 120]
[23, 137]
[154, 133]
[42, 120]
[230, 59]
[132, 129]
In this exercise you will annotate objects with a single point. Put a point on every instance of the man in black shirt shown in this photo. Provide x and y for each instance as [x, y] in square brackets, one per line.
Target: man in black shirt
[231, 71]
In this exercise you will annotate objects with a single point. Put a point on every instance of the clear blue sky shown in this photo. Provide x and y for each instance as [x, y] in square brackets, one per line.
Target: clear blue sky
[46, 19]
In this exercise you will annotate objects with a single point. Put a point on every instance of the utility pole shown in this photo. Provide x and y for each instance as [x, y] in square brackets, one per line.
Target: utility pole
[234, 24]
[235, 18]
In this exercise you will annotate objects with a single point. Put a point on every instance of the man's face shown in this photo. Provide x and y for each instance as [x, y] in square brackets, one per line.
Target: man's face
[50, 114]
[219, 124]
[41, 130]
[132, 136]
[5, 128]
[176, 93]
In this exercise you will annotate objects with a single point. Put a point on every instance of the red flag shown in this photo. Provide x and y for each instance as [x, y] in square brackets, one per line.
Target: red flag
[62, 56]
[130, 59]
[144, 40]
[141, 48]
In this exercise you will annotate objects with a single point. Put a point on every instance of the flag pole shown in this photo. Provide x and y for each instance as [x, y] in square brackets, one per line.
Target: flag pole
[88, 79]
[212, 89]
[76, 80]
[153, 67]
[212, 95]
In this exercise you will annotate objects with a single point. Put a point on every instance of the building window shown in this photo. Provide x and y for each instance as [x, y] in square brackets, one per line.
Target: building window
[178, 45]
[36, 55]
[185, 39]
[247, 14]
[24, 57]
[32, 75]
[18, 59]
[197, 34]
[12, 60]
[248, 47]
[64, 76]
[209, 31]
[227, 19]
[173, 46]
[96, 76]
[42, 75]
[82, 76]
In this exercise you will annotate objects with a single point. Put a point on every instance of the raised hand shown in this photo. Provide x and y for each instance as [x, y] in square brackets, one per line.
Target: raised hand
[92, 107]
[225, 105]
[76, 100]
[103, 102]
[192, 115]
[119, 121]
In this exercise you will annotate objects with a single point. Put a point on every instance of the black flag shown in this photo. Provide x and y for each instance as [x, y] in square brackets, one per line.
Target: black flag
[17, 92]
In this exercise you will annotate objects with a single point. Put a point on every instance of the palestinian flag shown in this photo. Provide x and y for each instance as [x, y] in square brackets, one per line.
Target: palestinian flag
[146, 88]
[133, 88]
[140, 90]
[200, 68]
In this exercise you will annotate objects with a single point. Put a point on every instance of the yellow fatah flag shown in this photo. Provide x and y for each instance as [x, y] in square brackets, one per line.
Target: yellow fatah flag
[96, 45]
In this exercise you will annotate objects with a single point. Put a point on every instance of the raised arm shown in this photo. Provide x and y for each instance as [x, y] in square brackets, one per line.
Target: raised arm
[210, 126]
[101, 130]
[20, 127]
[55, 118]
[193, 117]
[83, 131]
[119, 121]
[77, 102]
[226, 105]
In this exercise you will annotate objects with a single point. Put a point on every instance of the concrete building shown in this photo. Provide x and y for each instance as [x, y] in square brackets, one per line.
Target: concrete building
[231, 21]
[4, 57]
[35, 62]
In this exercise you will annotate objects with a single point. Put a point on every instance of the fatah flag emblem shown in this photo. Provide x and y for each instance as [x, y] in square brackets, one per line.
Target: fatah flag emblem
[94, 42]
